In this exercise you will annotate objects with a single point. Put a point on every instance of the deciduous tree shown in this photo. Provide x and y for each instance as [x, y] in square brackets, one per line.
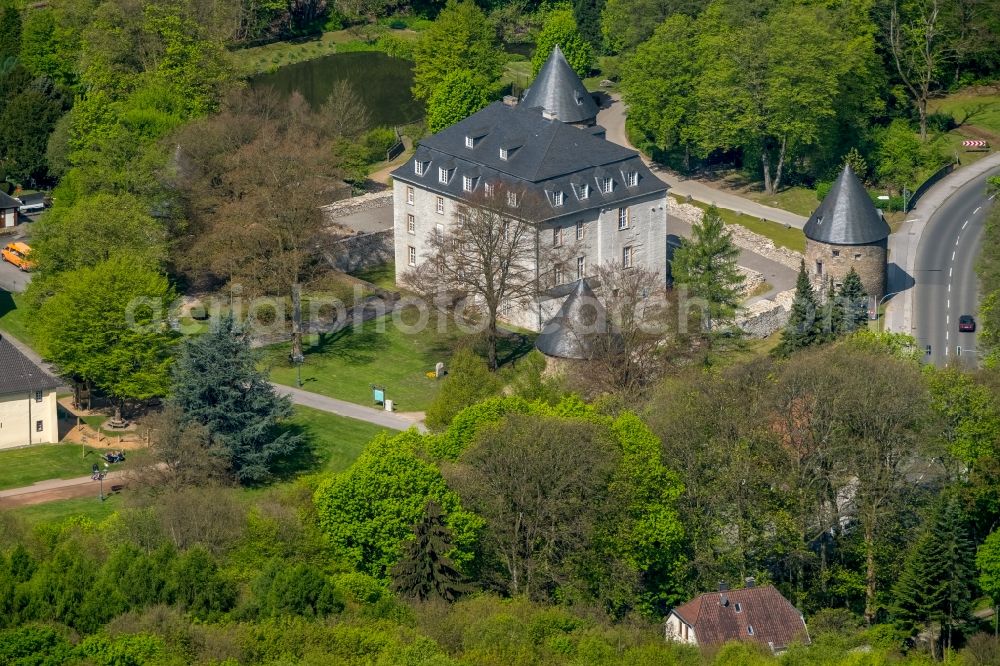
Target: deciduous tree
[456, 97]
[559, 29]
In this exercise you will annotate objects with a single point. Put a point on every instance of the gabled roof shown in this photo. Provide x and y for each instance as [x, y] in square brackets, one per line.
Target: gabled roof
[572, 333]
[8, 202]
[775, 621]
[542, 154]
[847, 215]
[20, 375]
[559, 91]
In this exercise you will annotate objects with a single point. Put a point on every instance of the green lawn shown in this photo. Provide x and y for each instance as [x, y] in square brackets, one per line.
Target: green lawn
[789, 237]
[26, 465]
[14, 317]
[971, 107]
[84, 507]
[336, 440]
[344, 364]
[798, 200]
[517, 72]
[383, 275]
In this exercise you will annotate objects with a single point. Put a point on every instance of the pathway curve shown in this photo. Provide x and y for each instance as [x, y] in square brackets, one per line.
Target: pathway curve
[58, 489]
[391, 420]
[612, 119]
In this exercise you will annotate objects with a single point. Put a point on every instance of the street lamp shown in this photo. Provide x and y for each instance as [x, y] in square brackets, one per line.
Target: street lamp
[878, 305]
[100, 476]
[298, 359]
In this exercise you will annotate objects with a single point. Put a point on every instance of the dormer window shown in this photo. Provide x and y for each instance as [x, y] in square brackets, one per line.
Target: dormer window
[504, 154]
[632, 178]
[488, 189]
[468, 183]
[418, 167]
[557, 198]
[583, 191]
[512, 199]
[470, 142]
[578, 96]
[444, 175]
[607, 185]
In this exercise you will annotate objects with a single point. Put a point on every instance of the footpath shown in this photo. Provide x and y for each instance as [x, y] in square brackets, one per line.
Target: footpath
[52, 490]
[612, 119]
[904, 243]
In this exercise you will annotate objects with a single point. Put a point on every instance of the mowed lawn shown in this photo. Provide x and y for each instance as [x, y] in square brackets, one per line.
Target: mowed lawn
[336, 441]
[82, 507]
[971, 107]
[345, 364]
[24, 466]
[782, 236]
[14, 317]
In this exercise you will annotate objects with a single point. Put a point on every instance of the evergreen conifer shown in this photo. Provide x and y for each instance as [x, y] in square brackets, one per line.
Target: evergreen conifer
[425, 571]
[852, 301]
[802, 329]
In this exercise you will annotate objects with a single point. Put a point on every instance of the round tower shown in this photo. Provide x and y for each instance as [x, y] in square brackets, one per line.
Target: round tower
[846, 232]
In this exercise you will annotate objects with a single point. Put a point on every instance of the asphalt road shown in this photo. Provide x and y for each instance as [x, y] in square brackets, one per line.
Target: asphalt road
[944, 271]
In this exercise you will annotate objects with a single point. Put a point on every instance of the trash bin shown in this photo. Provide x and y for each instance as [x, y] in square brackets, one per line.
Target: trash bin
[388, 405]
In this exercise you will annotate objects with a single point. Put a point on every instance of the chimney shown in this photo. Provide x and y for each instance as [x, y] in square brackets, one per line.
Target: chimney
[723, 597]
[548, 115]
[509, 100]
[750, 582]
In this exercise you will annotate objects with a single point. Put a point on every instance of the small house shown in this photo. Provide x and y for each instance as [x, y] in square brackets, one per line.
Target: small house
[8, 211]
[28, 411]
[751, 614]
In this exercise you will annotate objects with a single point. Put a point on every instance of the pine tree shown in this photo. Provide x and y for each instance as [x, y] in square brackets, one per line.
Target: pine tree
[832, 318]
[216, 383]
[853, 303]
[425, 571]
[706, 265]
[934, 587]
[802, 329]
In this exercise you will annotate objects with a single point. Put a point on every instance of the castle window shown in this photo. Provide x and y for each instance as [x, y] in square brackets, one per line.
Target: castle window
[607, 185]
[557, 198]
[633, 178]
[409, 195]
[418, 167]
[557, 274]
[857, 255]
[584, 191]
[411, 255]
[627, 256]
[439, 205]
[488, 189]
[470, 142]
[512, 199]
[623, 218]
[411, 224]
[467, 183]
[557, 236]
[504, 154]
[581, 267]
[579, 230]
[819, 267]
[444, 175]
[836, 253]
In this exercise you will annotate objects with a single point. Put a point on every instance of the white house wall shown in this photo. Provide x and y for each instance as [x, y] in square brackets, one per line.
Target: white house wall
[19, 414]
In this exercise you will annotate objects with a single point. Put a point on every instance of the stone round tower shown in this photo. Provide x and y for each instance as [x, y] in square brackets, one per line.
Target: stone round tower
[846, 232]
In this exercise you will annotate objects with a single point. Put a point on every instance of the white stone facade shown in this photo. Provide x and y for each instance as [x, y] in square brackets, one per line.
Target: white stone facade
[587, 239]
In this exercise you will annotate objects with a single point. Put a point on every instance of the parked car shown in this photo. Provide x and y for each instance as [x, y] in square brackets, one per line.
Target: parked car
[31, 207]
[966, 324]
[16, 253]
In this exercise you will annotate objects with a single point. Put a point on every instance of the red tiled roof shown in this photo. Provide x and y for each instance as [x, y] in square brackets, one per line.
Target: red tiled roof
[775, 621]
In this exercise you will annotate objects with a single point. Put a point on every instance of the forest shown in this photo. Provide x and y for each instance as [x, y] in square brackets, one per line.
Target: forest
[542, 520]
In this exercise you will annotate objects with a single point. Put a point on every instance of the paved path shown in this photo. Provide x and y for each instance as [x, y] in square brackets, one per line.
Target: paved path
[612, 118]
[903, 244]
[324, 403]
[58, 489]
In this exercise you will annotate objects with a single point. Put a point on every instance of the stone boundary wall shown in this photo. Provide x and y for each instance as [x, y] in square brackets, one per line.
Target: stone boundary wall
[751, 279]
[346, 207]
[742, 237]
[361, 251]
[761, 319]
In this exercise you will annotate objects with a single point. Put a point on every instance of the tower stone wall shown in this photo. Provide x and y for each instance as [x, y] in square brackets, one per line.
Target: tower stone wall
[826, 260]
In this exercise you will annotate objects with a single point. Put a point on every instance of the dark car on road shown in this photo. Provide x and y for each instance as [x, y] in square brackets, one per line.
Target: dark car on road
[966, 324]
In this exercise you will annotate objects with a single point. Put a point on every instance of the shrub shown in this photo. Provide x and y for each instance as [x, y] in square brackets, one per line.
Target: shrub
[377, 141]
[468, 382]
[395, 47]
[397, 24]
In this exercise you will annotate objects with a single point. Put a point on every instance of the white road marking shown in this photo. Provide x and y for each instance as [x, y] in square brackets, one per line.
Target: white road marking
[947, 318]
[965, 224]
[946, 350]
[949, 304]
[953, 255]
[957, 239]
[946, 338]
[976, 211]
[949, 287]
[950, 270]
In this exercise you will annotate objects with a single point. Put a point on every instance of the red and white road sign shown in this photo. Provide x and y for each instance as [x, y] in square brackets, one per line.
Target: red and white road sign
[975, 143]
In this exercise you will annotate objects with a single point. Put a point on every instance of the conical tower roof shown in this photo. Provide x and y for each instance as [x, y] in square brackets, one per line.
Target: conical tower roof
[559, 91]
[572, 333]
[847, 215]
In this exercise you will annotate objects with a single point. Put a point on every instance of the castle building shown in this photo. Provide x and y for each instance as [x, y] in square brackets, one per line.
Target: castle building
[594, 201]
[846, 232]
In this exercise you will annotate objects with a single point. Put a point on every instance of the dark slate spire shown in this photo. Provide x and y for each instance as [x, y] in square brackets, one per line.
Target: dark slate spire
[560, 92]
[847, 215]
[575, 328]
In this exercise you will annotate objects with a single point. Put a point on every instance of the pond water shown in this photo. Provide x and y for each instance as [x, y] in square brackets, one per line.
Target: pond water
[382, 83]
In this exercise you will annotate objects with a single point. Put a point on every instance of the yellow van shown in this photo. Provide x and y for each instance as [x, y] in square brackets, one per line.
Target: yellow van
[17, 254]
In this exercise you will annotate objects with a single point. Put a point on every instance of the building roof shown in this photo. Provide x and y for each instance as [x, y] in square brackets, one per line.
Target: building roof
[847, 215]
[8, 202]
[559, 91]
[776, 623]
[575, 329]
[18, 374]
[542, 155]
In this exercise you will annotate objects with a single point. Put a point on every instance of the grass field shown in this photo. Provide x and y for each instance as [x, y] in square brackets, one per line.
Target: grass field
[336, 441]
[344, 364]
[799, 200]
[13, 316]
[383, 275]
[973, 107]
[84, 507]
[26, 465]
[790, 237]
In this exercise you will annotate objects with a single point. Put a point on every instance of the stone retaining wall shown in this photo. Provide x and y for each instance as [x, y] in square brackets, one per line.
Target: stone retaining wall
[742, 237]
[751, 279]
[354, 253]
[346, 207]
[763, 318]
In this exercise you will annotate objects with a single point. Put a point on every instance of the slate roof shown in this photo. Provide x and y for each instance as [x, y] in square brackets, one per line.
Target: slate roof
[18, 374]
[543, 155]
[7, 202]
[775, 621]
[559, 91]
[847, 215]
[575, 328]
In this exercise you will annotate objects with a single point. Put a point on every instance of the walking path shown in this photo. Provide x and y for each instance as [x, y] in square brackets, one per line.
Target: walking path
[391, 420]
[58, 489]
[904, 243]
[612, 119]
